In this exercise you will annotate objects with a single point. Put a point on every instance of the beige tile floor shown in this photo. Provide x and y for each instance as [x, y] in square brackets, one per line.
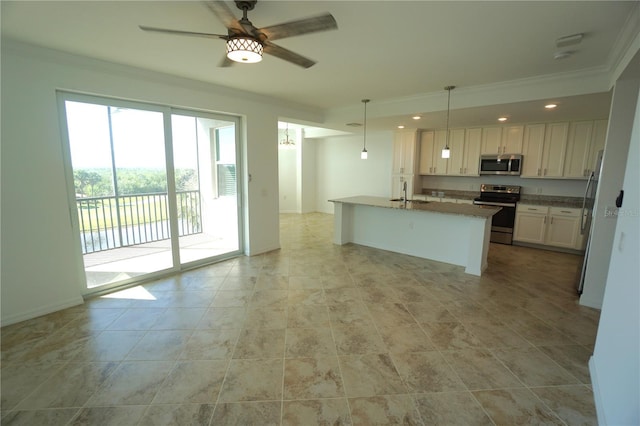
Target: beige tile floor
[315, 334]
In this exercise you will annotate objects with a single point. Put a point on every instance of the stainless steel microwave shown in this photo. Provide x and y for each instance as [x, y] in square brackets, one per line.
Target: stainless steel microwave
[505, 164]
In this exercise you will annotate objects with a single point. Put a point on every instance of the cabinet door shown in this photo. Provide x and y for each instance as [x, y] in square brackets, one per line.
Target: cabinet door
[553, 153]
[404, 147]
[578, 149]
[512, 138]
[439, 163]
[471, 162]
[456, 144]
[492, 140]
[397, 153]
[530, 227]
[408, 152]
[598, 138]
[532, 150]
[427, 140]
[563, 231]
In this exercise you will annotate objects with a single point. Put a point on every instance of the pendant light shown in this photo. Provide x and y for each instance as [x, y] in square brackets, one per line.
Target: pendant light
[286, 141]
[364, 154]
[446, 152]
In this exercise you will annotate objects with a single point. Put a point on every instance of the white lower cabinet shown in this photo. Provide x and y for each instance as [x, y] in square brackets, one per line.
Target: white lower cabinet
[551, 226]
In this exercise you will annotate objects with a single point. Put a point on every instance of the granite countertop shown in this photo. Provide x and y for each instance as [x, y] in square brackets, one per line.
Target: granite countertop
[553, 201]
[432, 207]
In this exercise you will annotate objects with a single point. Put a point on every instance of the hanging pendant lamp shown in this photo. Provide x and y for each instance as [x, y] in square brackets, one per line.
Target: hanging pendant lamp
[446, 152]
[364, 154]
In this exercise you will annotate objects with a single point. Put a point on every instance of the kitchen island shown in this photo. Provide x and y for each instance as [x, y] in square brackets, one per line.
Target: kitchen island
[445, 232]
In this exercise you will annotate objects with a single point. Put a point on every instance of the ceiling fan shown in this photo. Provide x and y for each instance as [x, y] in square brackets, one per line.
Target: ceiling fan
[246, 43]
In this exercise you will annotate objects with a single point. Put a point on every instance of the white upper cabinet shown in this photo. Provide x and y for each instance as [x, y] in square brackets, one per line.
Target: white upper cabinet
[404, 152]
[456, 145]
[598, 138]
[532, 150]
[549, 150]
[544, 150]
[555, 147]
[502, 140]
[472, 143]
[576, 162]
[492, 140]
[512, 137]
[431, 161]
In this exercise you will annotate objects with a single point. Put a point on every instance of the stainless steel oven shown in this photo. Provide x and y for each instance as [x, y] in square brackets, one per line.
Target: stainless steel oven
[506, 197]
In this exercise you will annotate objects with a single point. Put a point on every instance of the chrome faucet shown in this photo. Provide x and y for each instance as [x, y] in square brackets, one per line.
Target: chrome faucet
[404, 190]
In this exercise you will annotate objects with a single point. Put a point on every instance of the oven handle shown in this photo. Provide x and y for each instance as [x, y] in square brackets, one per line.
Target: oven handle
[491, 203]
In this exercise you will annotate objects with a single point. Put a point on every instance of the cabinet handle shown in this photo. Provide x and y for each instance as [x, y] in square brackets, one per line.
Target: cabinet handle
[545, 172]
[584, 172]
[565, 211]
[552, 220]
[460, 170]
[529, 208]
[465, 170]
[538, 172]
[545, 220]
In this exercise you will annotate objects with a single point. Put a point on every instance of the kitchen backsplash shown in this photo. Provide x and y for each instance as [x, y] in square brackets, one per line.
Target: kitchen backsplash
[544, 187]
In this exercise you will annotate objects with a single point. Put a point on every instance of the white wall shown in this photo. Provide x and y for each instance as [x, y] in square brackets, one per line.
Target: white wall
[341, 172]
[623, 112]
[288, 179]
[615, 365]
[40, 272]
[308, 182]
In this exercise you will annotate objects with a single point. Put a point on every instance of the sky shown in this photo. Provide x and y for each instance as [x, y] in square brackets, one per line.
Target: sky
[138, 137]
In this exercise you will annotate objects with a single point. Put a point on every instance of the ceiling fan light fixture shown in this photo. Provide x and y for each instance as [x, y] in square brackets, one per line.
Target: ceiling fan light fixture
[244, 50]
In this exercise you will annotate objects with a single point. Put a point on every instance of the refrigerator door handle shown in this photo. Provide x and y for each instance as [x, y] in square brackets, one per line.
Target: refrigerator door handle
[583, 223]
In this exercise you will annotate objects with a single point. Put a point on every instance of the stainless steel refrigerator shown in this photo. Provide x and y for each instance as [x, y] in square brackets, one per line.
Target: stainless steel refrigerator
[586, 220]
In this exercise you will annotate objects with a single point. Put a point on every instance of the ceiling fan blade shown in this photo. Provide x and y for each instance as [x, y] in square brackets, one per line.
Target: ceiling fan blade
[180, 32]
[314, 24]
[225, 15]
[287, 55]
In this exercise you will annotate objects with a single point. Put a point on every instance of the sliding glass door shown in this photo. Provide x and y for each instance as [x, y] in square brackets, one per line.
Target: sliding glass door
[204, 154]
[154, 189]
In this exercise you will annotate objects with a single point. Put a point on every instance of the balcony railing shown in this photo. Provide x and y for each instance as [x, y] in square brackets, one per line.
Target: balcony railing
[113, 222]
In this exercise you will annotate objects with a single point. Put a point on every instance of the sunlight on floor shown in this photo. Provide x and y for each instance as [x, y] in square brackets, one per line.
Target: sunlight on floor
[137, 293]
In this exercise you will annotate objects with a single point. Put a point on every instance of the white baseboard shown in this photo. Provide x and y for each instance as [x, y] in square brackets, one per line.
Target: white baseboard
[43, 310]
[596, 392]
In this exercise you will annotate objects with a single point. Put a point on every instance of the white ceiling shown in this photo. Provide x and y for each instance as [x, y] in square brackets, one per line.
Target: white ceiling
[382, 50]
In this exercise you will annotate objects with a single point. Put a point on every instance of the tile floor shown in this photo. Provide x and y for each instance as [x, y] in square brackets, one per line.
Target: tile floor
[315, 334]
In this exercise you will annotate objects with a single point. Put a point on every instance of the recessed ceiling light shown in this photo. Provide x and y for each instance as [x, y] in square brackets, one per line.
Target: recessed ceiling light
[502, 119]
[550, 106]
[416, 117]
[401, 127]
